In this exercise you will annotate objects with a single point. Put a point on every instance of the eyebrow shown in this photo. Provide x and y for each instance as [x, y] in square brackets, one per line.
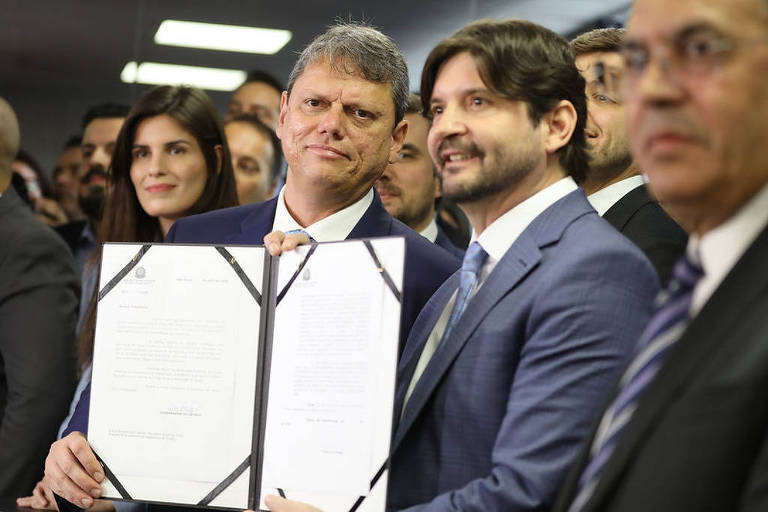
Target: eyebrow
[682, 33]
[410, 147]
[169, 143]
[464, 92]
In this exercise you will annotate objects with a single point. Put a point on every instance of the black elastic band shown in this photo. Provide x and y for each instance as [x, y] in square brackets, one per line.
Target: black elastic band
[120, 275]
[240, 273]
[226, 482]
[384, 274]
[112, 478]
[295, 275]
[373, 482]
[359, 500]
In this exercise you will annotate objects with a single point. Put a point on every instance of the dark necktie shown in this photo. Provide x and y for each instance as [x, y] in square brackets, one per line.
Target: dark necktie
[664, 330]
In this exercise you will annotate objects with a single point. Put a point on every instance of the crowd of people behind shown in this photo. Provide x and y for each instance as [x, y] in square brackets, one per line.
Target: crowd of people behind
[565, 344]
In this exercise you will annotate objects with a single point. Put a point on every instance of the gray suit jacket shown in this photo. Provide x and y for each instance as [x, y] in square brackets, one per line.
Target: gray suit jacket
[39, 290]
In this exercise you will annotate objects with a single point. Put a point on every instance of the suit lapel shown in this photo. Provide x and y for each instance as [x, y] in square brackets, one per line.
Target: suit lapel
[519, 260]
[374, 222]
[419, 334]
[701, 339]
[619, 214]
[256, 224]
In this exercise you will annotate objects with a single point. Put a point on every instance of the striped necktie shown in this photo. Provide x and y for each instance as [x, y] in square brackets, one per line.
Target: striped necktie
[474, 259]
[666, 326]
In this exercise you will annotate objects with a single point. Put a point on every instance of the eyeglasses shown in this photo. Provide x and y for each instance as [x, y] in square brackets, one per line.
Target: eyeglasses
[695, 52]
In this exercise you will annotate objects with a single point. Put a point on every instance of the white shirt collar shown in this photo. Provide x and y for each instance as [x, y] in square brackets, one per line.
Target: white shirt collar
[499, 236]
[333, 228]
[719, 249]
[603, 199]
[430, 232]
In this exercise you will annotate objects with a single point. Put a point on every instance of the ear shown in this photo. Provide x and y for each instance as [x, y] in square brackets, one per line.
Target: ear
[283, 111]
[398, 137]
[559, 124]
[438, 192]
[219, 149]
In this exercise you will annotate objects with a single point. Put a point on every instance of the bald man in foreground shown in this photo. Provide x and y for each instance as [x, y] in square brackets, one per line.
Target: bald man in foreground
[39, 288]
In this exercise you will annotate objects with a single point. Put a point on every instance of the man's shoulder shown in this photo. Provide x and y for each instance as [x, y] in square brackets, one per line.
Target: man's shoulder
[218, 226]
[423, 253]
[32, 254]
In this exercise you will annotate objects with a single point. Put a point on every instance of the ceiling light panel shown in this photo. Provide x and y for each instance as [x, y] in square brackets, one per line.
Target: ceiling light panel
[232, 38]
[155, 73]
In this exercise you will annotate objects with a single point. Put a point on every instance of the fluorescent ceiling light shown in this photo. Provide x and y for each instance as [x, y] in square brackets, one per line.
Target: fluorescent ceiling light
[172, 74]
[231, 38]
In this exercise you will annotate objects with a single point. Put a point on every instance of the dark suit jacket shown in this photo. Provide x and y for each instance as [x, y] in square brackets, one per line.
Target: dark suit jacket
[504, 403]
[443, 241]
[640, 218]
[426, 265]
[39, 290]
[698, 440]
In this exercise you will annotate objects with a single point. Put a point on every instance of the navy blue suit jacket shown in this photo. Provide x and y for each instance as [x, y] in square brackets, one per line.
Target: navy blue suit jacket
[443, 241]
[426, 265]
[505, 401]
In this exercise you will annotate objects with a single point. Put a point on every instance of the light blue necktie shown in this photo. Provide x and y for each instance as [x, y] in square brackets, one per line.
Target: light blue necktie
[300, 232]
[474, 259]
[664, 330]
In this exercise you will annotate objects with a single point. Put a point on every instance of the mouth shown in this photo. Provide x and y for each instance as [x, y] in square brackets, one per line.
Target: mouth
[455, 154]
[158, 188]
[324, 151]
[95, 176]
[387, 192]
[665, 142]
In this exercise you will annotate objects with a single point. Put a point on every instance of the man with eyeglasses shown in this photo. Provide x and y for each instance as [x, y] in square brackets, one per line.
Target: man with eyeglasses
[687, 427]
[613, 184]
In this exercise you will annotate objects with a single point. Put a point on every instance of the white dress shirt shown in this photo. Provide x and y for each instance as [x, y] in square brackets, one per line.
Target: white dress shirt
[497, 238]
[332, 228]
[719, 249]
[430, 232]
[603, 199]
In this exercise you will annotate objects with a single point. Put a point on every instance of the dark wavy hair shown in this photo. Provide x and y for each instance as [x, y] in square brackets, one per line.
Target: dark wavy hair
[519, 60]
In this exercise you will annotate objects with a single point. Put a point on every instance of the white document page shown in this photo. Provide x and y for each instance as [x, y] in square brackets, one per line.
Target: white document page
[332, 381]
[174, 371]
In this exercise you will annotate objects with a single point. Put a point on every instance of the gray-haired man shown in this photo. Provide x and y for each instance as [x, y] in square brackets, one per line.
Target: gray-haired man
[341, 121]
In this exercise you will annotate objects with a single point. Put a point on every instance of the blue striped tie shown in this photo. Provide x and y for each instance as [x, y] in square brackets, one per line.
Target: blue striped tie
[666, 327]
[474, 259]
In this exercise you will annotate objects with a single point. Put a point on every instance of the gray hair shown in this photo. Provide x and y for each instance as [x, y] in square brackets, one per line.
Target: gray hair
[356, 48]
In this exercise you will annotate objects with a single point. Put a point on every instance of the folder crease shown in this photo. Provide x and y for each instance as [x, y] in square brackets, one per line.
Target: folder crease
[226, 482]
[240, 273]
[126, 270]
[383, 271]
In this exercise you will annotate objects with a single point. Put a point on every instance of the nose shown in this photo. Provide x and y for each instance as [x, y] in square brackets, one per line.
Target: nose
[156, 165]
[447, 123]
[101, 157]
[332, 122]
[658, 84]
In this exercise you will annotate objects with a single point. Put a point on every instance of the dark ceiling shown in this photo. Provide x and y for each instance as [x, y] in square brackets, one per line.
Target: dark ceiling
[59, 57]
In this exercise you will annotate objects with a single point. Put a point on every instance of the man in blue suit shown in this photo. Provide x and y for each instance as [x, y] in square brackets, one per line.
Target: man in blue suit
[510, 360]
[341, 121]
